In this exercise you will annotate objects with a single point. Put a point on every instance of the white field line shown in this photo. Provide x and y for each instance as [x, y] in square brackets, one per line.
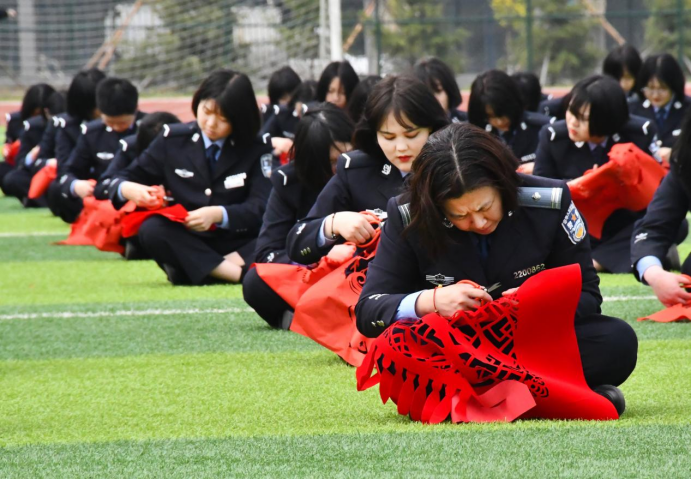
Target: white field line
[102, 314]
[42, 233]
[169, 312]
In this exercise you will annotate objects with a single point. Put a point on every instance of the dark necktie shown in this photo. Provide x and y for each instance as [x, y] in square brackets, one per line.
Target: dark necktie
[660, 118]
[483, 248]
[211, 156]
[598, 154]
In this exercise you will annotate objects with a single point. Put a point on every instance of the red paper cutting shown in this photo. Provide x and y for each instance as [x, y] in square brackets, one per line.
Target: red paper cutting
[42, 180]
[627, 181]
[516, 357]
[132, 222]
[678, 312]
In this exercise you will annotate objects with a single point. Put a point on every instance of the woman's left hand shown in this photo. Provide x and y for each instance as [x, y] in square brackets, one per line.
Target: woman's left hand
[201, 219]
[510, 292]
[526, 168]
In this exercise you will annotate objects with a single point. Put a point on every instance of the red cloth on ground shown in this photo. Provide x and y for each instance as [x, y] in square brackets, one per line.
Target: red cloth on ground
[678, 312]
[42, 180]
[132, 222]
[9, 152]
[324, 298]
[627, 181]
[516, 357]
[99, 225]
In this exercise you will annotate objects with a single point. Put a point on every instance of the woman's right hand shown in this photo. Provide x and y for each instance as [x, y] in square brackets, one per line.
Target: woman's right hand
[83, 188]
[450, 299]
[351, 226]
[143, 196]
[666, 286]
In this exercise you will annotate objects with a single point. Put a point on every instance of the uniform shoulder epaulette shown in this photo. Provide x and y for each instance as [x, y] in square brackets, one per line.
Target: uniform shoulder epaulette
[34, 122]
[354, 159]
[405, 212]
[540, 197]
[284, 175]
[637, 125]
[178, 129]
[557, 130]
[534, 119]
[93, 126]
[128, 142]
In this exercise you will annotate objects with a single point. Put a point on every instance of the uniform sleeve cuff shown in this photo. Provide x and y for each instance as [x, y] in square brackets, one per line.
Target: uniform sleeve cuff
[645, 263]
[224, 222]
[322, 240]
[407, 307]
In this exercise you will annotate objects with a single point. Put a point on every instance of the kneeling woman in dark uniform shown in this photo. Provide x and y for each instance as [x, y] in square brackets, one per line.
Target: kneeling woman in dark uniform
[467, 215]
[218, 169]
[597, 119]
[496, 104]
[399, 115]
[322, 135]
[656, 233]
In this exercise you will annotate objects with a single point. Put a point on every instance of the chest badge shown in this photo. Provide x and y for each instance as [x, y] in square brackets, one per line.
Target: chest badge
[235, 181]
[439, 279]
[104, 155]
[386, 169]
[266, 164]
[184, 173]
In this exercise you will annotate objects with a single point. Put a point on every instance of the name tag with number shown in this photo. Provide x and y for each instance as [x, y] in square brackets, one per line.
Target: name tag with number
[235, 181]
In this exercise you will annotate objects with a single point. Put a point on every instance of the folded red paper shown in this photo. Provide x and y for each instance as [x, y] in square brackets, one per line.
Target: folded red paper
[678, 312]
[9, 152]
[42, 180]
[132, 222]
[99, 225]
[516, 357]
[627, 181]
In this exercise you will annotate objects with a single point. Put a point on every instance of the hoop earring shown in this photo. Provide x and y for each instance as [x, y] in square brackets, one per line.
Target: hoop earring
[447, 223]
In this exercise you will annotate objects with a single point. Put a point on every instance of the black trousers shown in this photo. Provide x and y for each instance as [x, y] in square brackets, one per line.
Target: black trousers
[186, 256]
[608, 349]
[65, 207]
[17, 183]
[260, 297]
[5, 168]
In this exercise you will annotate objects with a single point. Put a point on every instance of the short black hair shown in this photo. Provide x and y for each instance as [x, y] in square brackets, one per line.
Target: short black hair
[454, 161]
[55, 103]
[35, 100]
[282, 82]
[680, 156]
[621, 58]
[81, 96]
[496, 89]
[356, 104]
[530, 88]
[609, 111]
[150, 126]
[306, 92]
[667, 70]
[437, 74]
[347, 75]
[401, 95]
[233, 93]
[117, 96]
[319, 128]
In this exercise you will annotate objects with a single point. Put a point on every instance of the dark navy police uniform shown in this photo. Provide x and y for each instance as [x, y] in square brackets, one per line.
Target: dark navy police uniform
[238, 181]
[523, 139]
[458, 116]
[560, 158]
[122, 159]
[655, 233]
[361, 183]
[282, 122]
[95, 149]
[668, 127]
[541, 234]
[289, 201]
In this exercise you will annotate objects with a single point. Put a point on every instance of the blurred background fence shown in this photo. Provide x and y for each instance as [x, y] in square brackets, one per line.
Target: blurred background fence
[167, 46]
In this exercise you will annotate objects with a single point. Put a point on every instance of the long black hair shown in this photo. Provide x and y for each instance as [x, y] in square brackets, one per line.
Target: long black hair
[81, 96]
[35, 100]
[318, 130]
[233, 93]
[609, 110]
[496, 89]
[400, 95]
[439, 76]
[347, 76]
[456, 160]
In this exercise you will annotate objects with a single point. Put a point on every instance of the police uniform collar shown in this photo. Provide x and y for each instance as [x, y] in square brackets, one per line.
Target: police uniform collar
[207, 142]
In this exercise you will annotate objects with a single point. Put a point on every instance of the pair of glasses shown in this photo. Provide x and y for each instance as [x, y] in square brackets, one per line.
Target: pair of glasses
[654, 91]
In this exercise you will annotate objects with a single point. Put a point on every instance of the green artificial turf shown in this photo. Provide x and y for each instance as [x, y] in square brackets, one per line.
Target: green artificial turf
[108, 371]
